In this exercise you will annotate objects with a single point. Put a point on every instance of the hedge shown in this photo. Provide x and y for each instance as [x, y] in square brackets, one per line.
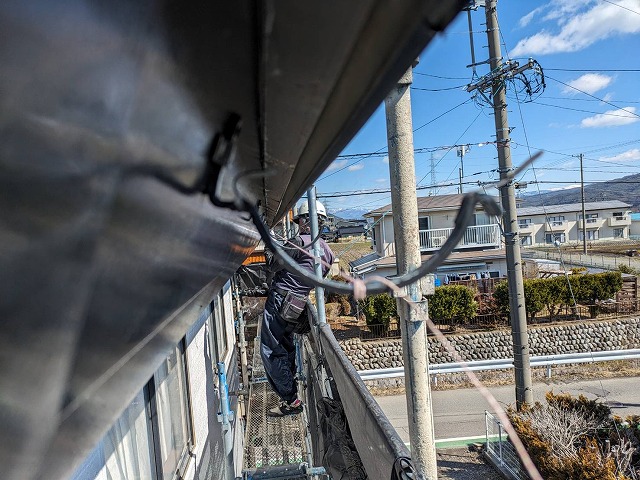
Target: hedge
[554, 293]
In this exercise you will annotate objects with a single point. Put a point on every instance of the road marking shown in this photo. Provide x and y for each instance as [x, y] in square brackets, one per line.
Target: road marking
[460, 441]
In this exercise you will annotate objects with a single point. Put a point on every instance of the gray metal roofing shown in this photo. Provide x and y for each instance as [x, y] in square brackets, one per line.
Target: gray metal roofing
[437, 202]
[370, 257]
[572, 207]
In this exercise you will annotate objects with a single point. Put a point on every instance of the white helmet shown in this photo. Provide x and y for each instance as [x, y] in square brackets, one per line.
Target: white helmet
[303, 210]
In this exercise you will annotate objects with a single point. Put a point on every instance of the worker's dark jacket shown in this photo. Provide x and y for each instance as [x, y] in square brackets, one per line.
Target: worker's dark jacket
[276, 337]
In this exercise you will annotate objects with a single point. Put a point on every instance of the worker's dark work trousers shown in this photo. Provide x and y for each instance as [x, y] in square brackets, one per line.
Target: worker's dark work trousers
[278, 350]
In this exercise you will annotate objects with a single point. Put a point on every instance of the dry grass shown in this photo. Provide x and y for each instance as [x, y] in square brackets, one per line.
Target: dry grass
[350, 251]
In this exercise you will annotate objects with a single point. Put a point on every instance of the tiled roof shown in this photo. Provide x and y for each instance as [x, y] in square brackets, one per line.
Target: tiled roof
[572, 207]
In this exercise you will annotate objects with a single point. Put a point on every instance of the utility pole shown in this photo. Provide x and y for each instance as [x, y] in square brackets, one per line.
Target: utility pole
[317, 253]
[412, 324]
[520, 336]
[584, 217]
[461, 151]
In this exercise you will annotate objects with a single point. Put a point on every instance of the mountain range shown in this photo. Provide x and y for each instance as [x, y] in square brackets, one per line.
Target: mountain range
[625, 189]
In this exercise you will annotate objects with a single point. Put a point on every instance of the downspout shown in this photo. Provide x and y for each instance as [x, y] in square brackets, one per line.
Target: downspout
[241, 340]
[226, 416]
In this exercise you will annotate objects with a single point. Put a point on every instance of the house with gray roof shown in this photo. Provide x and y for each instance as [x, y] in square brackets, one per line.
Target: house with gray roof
[608, 220]
[479, 253]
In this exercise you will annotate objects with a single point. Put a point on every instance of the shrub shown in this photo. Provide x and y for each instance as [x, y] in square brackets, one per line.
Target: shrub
[452, 303]
[576, 439]
[553, 293]
[378, 309]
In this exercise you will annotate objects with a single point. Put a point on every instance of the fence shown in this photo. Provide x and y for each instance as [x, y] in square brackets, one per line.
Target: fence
[499, 449]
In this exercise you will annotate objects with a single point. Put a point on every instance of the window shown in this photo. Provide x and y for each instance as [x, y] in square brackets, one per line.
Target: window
[618, 233]
[423, 223]
[171, 428]
[525, 240]
[126, 448]
[152, 438]
[588, 216]
[482, 219]
[217, 330]
[553, 237]
[591, 234]
[556, 220]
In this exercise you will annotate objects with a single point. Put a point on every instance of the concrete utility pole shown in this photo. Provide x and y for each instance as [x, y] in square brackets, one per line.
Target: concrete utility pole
[317, 253]
[507, 194]
[584, 216]
[412, 325]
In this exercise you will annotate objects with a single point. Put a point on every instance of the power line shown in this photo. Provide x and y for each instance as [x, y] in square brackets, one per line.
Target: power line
[586, 99]
[592, 96]
[588, 111]
[438, 76]
[618, 5]
[592, 69]
[459, 87]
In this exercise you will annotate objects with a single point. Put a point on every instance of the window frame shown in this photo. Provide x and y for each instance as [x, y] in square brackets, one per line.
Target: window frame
[426, 218]
[523, 240]
[154, 426]
[553, 235]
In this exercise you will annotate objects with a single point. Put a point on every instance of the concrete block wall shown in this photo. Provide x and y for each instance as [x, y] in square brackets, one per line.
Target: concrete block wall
[588, 336]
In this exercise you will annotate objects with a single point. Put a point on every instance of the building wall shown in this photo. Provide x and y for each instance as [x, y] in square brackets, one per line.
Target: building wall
[124, 453]
[537, 229]
[464, 268]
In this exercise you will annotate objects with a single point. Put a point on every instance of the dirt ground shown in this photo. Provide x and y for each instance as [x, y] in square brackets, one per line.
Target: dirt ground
[464, 464]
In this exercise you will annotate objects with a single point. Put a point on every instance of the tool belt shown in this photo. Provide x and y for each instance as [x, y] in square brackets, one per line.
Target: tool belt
[291, 309]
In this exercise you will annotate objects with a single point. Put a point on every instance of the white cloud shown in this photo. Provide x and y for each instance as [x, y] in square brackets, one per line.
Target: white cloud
[337, 164]
[385, 159]
[576, 31]
[589, 82]
[524, 21]
[628, 156]
[356, 167]
[612, 118]
[382, 180]
[575, 185]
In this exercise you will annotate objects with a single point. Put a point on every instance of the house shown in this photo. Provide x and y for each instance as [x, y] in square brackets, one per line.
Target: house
[479, 253]
[608, 220]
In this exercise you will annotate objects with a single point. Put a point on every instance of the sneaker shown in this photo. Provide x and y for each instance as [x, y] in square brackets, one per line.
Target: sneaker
[285, 408]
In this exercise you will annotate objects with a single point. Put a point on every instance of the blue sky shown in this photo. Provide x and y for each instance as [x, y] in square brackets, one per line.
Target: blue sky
[590, 104]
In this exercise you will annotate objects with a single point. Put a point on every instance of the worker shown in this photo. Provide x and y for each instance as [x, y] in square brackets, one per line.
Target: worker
[284, 312]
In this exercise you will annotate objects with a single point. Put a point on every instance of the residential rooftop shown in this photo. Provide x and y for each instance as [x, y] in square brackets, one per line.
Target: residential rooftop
[436, 202]
[572, 207]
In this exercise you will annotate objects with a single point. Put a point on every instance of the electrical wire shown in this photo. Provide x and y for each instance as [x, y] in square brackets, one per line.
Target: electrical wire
[359, 288]
[592, 96]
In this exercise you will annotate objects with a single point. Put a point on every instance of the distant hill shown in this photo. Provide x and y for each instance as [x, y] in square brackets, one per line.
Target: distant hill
[625, 189]
[350, 213]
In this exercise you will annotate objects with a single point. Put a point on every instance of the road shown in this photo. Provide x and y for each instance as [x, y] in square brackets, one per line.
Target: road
[460, 413]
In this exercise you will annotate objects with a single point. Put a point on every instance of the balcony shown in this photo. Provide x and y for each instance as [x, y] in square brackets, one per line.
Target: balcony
[555, 226]
[478, 236]
[592, 223]
[623, 221]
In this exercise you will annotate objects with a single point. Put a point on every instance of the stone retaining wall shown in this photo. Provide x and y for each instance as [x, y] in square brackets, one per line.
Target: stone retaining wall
[589, 336]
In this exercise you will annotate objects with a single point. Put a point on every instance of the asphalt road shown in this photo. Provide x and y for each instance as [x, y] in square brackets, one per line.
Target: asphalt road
[460, 413]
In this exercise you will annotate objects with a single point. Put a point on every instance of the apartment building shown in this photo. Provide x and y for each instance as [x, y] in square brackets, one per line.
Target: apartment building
[553, 224]
[479, 253]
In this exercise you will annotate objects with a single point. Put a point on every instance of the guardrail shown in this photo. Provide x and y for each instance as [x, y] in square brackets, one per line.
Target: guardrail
[504, 363]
